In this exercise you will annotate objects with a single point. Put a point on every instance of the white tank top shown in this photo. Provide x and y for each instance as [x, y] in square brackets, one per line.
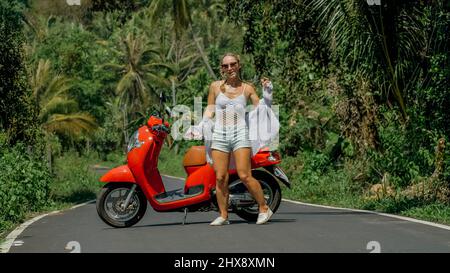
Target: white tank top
[230, 112]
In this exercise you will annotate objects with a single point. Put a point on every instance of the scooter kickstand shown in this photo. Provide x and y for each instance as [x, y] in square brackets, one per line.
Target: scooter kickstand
[185, 215]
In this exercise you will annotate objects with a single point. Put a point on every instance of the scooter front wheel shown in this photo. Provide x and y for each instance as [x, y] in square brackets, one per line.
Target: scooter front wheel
[111, 205]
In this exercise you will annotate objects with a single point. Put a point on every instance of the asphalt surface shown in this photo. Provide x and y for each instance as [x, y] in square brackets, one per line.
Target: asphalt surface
[294, 228]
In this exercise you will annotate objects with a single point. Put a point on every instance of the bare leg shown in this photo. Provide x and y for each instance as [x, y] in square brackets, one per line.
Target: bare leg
[243, 167]
[221, 161]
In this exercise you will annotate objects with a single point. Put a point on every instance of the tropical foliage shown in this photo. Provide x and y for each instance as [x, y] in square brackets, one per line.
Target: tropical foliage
[363, 89]
[361, 92]
[57, 112]
[16, 111]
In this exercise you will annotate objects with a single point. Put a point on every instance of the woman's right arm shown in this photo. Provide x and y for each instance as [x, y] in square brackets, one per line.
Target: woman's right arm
[210, 108]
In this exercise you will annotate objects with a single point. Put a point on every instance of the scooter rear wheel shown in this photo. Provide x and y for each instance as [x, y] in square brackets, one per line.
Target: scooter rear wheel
[272, 194]
[110, 205]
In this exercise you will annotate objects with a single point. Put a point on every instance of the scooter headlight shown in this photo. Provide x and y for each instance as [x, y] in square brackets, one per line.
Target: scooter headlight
[134, 141]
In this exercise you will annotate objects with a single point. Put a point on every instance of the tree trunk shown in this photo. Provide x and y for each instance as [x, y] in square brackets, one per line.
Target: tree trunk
[202, 54]
[49, 159]
[88, 146]
[124, 130]
[174, 92]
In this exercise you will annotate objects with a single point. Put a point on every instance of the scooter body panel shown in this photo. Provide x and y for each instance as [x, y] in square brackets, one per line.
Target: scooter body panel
[118, 174]
[197, 189]
[143, 165]
[142, 169]
[204, 175]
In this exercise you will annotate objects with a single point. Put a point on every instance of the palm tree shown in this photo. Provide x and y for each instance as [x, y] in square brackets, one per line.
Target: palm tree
[182, 22]
[146, 19]
[140, 72]
[382, 43]
[183, 60]
[57, 112]
[37, 29]
[177, 52]
[105, 24]
[212, 20]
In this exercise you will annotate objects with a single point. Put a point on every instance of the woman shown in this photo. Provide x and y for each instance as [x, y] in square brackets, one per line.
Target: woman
[227, 100]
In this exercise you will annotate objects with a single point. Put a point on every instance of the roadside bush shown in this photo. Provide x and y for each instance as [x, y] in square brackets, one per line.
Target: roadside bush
[407, 153]
[314, 180]
[24, 184]
[75, 181]
[16, 109]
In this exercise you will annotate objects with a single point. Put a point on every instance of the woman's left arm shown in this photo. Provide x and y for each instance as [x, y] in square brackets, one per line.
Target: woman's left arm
[253, 96]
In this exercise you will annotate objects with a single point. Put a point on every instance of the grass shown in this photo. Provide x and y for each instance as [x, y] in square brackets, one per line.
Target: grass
[332, 187]
[336, 186]
[169, 162]
[74, 182]
[75, 179]
[439, 213]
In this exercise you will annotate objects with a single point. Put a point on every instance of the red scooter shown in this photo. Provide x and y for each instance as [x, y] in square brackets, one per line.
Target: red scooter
[122, 202]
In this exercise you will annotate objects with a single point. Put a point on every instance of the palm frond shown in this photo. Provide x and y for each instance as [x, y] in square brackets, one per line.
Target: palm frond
[152, 11]
[181, 15]
[40, 77]
[187, 61]
[157, 81]
[59, 85]
[150, 66]
[128, 81]
[377, 42]
[73, 125]
[57, 105]
[115, 67]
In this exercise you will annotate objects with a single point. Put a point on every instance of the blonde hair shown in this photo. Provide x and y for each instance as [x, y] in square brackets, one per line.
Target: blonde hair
[230, 54]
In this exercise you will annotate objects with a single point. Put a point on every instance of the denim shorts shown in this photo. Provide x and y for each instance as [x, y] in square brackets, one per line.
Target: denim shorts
[230, 138]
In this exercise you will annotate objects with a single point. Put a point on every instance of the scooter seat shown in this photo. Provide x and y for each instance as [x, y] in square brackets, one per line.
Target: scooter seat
[195, 156]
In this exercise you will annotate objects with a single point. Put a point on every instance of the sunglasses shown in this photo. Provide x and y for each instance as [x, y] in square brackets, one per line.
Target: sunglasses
[230, 65]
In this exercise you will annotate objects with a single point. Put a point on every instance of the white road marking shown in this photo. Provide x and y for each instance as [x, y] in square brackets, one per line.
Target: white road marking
[18, 243]
[375, 246]
[11, 238]
[174, 177]
[74, 246]
[358, 210]
[6, 245]
[374, 212]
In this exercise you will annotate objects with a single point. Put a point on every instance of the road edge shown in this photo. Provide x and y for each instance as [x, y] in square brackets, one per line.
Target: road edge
[9, 240]
[6, 245]
[405, 218]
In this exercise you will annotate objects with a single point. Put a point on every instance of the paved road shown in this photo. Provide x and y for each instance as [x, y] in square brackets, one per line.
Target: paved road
[294, 228]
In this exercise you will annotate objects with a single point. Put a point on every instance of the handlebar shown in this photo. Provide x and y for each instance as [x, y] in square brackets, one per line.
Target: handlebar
[160, 127]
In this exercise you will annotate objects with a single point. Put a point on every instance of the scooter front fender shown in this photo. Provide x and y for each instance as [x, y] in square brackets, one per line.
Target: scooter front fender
[279, 173]
[119, 174]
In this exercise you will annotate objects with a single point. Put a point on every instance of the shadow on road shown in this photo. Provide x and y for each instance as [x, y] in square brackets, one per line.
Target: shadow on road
[77, 197]
[326, 213]
[164, 225]
[233, 222]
